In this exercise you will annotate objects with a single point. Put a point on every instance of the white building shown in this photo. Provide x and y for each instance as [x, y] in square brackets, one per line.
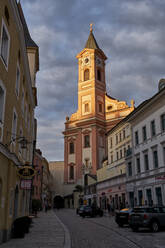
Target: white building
[146, 162]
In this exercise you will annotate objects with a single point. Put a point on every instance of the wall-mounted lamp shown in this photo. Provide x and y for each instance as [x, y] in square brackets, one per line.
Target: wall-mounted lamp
[21, 140]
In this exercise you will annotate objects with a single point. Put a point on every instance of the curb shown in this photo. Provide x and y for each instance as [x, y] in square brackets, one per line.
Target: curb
[67, 239]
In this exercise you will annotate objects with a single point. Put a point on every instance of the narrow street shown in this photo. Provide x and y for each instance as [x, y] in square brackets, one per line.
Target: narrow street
[105, 233]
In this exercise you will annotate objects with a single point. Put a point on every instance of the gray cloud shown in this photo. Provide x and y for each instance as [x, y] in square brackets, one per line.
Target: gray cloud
[131, 33]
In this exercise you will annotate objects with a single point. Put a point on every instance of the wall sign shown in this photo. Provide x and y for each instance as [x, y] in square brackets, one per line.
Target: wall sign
[26, 172]
[26, 184]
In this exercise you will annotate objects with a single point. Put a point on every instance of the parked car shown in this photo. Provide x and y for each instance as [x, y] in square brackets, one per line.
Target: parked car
[77, 209]
[150, 217]
[90, 211]
[122, 216]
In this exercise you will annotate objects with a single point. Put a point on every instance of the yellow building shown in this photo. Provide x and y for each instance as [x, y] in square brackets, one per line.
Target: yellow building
[19, 62]
[111, 179]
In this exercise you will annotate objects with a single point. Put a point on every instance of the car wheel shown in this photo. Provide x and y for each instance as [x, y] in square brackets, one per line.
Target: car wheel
[155, 226]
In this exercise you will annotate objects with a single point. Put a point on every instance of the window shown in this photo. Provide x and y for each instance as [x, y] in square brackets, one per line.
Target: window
[129, 169]
[17, 80]
[144, 133]
[121, 154]
[116, 139]
[164, 154]
[2, 101]
[149, 197]
[138, 165]
[86, 75]
[71, 172]
[146, 164]
[140, 196]
[136, 138]
[86, 141]
[14, 126]
[86, 106]
[71, 147]
[158, 195]
[153, 130]
[120, 137]
[100, 107]
[124, 134]
[155, 159]
[117, 155]
[124, 151]
[111, 158]
[163, 122]
[87, 162]
[111, 144]
[5, 42]
[99, 75]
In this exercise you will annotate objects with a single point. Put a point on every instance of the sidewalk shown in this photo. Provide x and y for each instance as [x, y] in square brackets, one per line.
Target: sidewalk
[47, 231]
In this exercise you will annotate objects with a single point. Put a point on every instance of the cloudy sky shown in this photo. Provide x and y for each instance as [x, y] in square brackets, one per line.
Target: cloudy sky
[131, 34]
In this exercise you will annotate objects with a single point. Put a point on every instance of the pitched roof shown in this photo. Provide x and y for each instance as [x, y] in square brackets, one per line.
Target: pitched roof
[28, 40]
[91, 42]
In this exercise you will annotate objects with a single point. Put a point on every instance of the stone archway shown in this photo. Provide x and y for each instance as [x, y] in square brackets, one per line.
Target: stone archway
[58, 202]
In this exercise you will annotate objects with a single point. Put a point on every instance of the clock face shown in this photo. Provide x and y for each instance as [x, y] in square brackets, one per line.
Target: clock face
[86, 60]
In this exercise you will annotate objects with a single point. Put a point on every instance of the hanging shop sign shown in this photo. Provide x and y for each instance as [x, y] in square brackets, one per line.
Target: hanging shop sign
[26, 184]
[26, 172]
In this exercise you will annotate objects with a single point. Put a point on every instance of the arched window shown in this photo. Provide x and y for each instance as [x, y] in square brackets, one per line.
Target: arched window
[86, 75]
[98, 75]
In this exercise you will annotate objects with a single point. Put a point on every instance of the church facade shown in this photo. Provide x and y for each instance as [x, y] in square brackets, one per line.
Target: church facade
[85, 130]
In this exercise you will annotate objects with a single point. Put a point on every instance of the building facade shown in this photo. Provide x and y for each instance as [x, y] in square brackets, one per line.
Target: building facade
[111, 179]
[17, 104]
[58, 188]
[146, 162]
[38, 178]
[84, 135]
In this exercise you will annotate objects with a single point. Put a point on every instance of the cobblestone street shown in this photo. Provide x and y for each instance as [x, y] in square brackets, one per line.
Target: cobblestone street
[105, 233]
[49, 232]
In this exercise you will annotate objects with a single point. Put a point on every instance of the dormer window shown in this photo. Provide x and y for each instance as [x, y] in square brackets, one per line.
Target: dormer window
[86, 75]
[98, 74]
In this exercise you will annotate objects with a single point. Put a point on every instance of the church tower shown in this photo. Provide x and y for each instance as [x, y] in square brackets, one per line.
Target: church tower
[91, 80]
[97, 113]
